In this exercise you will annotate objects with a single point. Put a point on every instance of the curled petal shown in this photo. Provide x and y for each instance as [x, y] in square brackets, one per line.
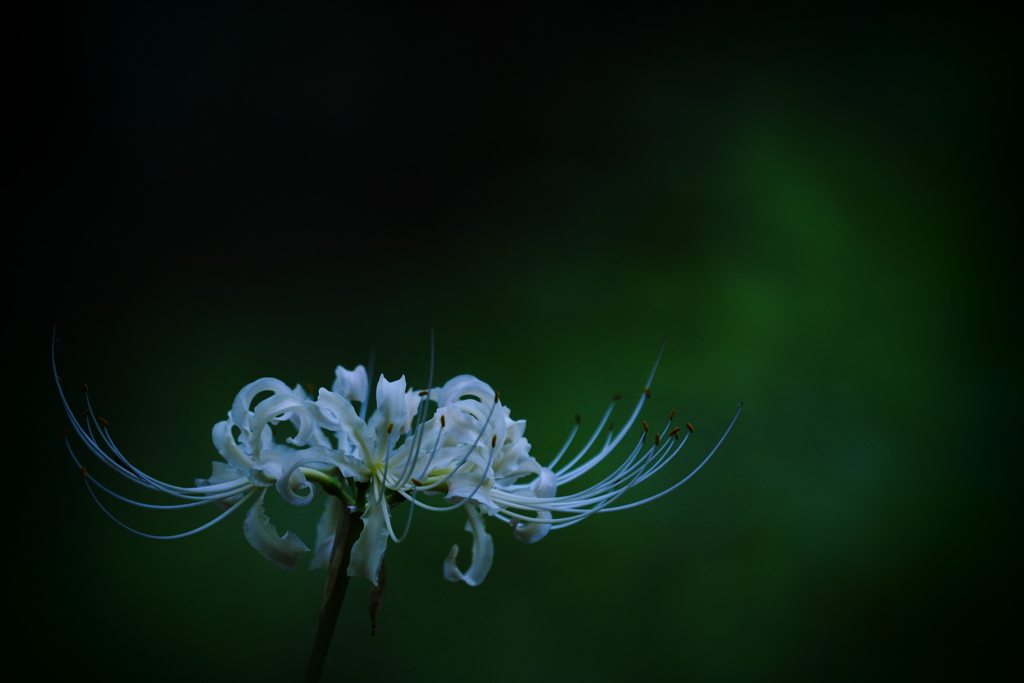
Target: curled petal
[368, 550]
[224, 442]
[291, 481]
[284, 551]
[483, 552]
[280, 407]
[240, 408]
[336, 413]
[465, 385]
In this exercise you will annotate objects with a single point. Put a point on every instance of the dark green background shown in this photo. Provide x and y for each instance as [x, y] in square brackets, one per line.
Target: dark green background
[808, 208]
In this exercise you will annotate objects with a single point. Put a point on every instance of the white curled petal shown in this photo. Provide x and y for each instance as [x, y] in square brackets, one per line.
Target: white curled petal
[224, 442]
[336, 413]
[483, 552]
[284, 551]
[240, 407]
[543, 487]
[465, 385]
[368, 550]
[277, 407]
[291, 482]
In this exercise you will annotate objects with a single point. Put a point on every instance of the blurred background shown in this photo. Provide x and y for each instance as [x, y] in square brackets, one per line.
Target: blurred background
[808, 209]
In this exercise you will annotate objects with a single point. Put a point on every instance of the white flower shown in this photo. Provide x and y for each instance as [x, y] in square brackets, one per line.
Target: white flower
[457, 441]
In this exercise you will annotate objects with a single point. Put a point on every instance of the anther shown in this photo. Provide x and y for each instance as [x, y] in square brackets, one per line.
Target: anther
[657, 439]
[616, 397]
[494, 440]
[64, 432]
[83, 473]
[674, 432]
[577, 418]
[390, 427]
[86, 413]
[423, 393]
[672, 415]
[85, 388]
[647, 392]
[442, 422]
[103, 422]
[646, 428]
[690, 427]
[497, 395]
[60, 381]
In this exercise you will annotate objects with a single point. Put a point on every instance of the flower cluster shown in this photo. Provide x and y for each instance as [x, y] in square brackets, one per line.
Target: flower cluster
[456, 443]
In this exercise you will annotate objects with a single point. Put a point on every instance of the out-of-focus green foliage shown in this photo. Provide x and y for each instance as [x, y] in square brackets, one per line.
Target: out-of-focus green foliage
[807, 209]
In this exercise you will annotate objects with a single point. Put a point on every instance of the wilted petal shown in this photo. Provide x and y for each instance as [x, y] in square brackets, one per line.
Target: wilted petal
[326, 530]
[284, 551]
[368, 550]
[483, 552]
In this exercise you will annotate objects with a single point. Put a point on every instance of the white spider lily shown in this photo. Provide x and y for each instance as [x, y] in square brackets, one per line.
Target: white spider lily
[469, 451]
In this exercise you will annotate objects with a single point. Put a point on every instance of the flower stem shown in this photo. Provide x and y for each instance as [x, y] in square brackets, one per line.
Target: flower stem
[334, 595]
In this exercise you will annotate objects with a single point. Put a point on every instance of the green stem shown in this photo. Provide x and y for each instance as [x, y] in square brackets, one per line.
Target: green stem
[334, 595]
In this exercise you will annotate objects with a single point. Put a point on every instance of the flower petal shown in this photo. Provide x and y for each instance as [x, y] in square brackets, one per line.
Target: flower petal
[390, 414]
[368, 550]
[326, 530]
[352, 385]
[284, 551]
[543, 487]
[483, 552]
